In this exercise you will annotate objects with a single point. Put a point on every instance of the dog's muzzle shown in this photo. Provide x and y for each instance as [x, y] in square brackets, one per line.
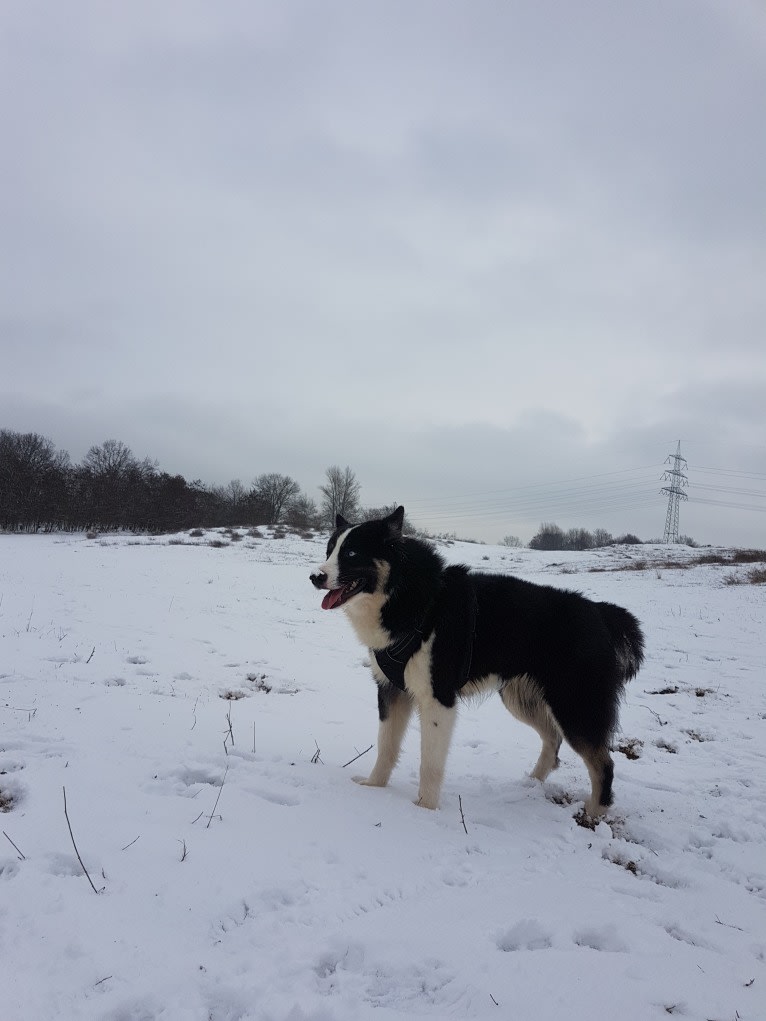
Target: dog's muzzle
[319, 580]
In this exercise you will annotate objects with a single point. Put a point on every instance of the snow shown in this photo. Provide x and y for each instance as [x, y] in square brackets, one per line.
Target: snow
[241, 874]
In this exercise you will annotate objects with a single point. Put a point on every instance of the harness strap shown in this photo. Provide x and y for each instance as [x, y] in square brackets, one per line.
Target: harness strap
[394, 658]
[462, 611]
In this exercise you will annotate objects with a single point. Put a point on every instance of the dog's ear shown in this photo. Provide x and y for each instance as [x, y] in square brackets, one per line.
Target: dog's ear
[394, 523]
[340, 522]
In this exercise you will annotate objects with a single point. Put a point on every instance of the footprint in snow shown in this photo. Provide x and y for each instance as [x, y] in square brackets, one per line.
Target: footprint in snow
[274, 797]
[11, 793]
[68, 865]
[605, 937]
[679, 934]
[187, 781]
[526, 934]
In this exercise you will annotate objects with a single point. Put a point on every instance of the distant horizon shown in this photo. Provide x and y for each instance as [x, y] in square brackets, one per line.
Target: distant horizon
[438, 523]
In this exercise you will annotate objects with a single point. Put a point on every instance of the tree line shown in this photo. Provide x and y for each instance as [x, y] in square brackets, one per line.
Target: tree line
[41, 490]
[111, 489]
[550, 537]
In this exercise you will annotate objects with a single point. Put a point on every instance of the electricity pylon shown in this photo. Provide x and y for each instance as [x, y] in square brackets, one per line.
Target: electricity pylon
[677, 480]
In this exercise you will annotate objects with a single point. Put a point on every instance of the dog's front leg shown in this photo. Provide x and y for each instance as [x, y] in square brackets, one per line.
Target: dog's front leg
[436, 725]
[394, 710]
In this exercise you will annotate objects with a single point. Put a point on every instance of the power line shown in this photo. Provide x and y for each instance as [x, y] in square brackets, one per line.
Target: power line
[544, 510]
[552, 500]
[594, 495]
[732, 471]
[726, 489]
[423, 501]
[726, 503]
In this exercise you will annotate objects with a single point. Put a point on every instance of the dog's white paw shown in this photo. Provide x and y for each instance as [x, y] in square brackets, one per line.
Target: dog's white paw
[366, 781]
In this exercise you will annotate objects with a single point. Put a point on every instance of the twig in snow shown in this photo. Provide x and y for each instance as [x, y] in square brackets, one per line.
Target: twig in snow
[194, 712]
[726, 924]
[92, 651]
[315, 757]
[20, 709]
[131, 843]
[104, 979]
[74, 845]
[219, 795]
[184, 852]
[22, 856]
[229, 733]
[356, 757]
[494, 1000]
[657, 716]
[462, 817]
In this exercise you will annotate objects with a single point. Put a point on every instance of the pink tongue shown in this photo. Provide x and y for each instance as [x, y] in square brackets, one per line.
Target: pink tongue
[332, 598]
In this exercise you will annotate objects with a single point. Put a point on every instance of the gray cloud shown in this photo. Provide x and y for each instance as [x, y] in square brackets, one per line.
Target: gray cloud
[444, 244]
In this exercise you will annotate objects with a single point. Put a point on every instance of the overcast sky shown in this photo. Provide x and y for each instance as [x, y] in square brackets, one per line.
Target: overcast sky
[471, 249]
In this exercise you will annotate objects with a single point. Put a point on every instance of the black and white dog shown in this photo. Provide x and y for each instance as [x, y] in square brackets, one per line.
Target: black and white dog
[436, 633]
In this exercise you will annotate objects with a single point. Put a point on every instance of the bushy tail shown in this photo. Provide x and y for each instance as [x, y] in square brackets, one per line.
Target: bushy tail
[627, 636]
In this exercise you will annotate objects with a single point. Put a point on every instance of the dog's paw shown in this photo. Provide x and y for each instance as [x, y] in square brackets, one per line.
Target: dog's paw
[590, 816]
[367, 781]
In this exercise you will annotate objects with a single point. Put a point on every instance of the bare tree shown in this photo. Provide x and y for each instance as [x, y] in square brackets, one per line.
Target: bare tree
[274, 491]
[112, 459]
[117, 486]
[302, 512]
[578, 539]
[340, 494]
[601, 537]
[32, 481]
[513, 541]
[549, 537]
[235, 495]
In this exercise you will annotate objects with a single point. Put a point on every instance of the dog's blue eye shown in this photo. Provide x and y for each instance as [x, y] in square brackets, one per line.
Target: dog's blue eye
[350, 553]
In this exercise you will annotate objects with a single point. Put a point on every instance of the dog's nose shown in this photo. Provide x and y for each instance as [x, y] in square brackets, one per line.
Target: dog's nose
[319, 580]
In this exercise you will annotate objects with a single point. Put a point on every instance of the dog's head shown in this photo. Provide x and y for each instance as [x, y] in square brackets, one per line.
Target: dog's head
[355, 557]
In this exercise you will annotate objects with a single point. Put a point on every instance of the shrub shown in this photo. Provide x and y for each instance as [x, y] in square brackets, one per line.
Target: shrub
[549, 537]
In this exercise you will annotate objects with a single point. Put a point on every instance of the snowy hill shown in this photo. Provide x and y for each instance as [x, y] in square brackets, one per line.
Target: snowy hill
[200, 708]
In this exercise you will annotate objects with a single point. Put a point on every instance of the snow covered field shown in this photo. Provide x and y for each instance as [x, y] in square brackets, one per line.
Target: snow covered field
[199, 708]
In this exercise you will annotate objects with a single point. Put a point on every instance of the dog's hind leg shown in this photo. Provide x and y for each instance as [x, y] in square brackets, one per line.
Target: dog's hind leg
[437, 722]
[395, 709]
[522, 698]
[601, 771]
[548, 759]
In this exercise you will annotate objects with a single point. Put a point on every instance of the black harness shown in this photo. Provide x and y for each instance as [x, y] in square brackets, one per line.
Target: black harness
[394, 658]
